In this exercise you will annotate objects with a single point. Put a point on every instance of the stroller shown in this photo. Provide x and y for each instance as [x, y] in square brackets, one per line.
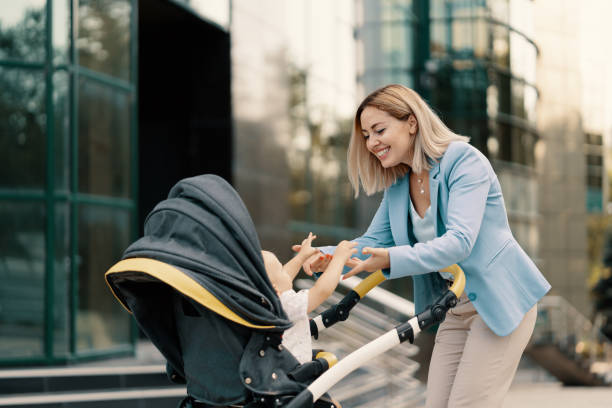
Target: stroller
[197, 287]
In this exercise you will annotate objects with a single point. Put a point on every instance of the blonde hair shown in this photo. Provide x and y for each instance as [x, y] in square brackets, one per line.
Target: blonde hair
[430, 143]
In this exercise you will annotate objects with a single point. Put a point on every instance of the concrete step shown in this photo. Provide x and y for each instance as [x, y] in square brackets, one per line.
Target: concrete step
[142, 386]
[142, 398]
[58, 379]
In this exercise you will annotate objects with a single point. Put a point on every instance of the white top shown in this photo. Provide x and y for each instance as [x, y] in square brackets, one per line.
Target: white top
[423, 229]
[297, 338]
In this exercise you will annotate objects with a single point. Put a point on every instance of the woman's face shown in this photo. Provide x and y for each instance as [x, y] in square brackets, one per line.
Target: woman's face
[389, 139]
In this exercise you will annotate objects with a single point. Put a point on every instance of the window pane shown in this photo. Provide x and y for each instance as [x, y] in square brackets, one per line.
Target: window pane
[397, 38]
[61, 116]
[104, 234]
[22, 30]
[462, 42]
[500, 46]
[104, 36]
[61, 294]
[104, 140]
[439, 38]
[61, 31]
[22, 124]
[22, 273]
[385, 10]
[499, 10]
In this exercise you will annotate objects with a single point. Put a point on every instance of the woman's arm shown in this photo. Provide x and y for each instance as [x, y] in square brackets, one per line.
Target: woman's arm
[378, 234]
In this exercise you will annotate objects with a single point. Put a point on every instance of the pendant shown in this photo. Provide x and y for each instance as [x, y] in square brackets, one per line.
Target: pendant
[422, 191]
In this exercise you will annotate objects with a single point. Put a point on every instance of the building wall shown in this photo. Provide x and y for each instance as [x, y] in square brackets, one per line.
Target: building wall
[561, 163]
[293, 90]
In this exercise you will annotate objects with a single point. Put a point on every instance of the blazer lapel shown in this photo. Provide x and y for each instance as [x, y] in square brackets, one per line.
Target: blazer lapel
[433, 193]
[398, 210]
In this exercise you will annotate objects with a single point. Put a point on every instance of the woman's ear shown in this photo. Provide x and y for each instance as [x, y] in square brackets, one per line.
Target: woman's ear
[413, 125]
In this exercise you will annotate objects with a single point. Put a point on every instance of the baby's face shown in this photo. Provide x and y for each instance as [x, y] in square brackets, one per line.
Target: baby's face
[280, 280]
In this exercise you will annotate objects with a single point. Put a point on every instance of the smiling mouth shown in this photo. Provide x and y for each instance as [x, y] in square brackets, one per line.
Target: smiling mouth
[381, 153]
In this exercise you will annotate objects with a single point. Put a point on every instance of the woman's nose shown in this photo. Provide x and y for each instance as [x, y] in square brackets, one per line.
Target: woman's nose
[372, 142]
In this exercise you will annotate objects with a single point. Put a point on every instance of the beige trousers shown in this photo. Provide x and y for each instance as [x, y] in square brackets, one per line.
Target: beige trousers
[471, 366]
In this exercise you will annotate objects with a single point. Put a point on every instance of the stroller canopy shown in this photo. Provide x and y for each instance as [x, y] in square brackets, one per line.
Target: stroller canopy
[210, 251]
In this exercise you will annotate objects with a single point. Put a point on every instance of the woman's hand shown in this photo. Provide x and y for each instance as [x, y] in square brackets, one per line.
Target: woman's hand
[315, 263]
[379, 259]
[344, 250]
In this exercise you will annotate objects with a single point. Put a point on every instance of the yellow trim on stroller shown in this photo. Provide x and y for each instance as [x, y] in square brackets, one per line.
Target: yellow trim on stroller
[373, 280]
[459, 279]
[327, 356]
[179, 281]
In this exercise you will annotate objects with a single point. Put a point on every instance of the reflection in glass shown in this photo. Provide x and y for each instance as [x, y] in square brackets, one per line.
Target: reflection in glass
[61, 282]
[61, 31]
[320, 191]
[387, 10]
[104, 140]
[104, 233]
[22, 30]
[500, 47]
[61, 117]
[499, 10]
[521, 199]
[103, 39]
[22, 128]
[397, 38]
[22, 273]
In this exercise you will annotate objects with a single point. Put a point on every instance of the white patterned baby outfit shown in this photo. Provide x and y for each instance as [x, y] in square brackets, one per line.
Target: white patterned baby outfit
[297, 338]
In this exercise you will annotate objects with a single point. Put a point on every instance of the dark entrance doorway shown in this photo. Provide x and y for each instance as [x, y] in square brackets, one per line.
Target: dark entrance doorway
[184, 100]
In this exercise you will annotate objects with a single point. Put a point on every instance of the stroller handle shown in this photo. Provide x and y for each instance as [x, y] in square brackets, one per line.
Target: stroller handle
[458, 279]
[341, 310]
[434, 314]
[369, 283]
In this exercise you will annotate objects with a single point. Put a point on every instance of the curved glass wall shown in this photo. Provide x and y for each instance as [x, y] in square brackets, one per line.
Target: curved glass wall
[474, 62]
[66, 192]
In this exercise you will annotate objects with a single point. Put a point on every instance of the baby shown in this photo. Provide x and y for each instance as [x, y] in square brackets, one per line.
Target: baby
[297, 305]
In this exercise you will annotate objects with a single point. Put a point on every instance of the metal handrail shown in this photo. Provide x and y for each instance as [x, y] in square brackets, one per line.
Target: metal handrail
[562, 325]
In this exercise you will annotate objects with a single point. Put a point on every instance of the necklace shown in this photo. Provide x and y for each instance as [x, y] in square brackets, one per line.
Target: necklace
[421, 186]
[422, 189]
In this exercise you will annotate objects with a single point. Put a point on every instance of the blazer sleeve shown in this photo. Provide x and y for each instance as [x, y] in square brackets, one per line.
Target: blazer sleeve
[468, 182]
[378, 233]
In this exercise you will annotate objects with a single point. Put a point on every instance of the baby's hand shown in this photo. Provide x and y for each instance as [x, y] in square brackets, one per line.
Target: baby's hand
[344, 250]
[306, 250]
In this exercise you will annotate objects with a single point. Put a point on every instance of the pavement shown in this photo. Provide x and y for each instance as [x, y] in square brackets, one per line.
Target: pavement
[533, 387]
[553, 394]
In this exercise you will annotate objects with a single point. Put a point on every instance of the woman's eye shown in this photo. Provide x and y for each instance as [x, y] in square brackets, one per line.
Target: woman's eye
[366, 136]
[380, 131]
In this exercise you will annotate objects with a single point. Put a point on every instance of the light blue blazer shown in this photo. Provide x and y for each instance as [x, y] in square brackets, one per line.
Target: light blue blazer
[472, 231]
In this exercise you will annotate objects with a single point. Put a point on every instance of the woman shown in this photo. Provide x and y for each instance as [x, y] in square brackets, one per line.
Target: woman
[443, 205]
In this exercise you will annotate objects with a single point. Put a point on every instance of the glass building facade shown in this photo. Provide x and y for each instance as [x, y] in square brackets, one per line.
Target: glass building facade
[474, 62]
[67, 190]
